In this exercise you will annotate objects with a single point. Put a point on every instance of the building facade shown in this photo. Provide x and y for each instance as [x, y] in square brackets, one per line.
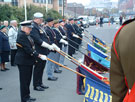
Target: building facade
[75, 8]
[126, 6]
[51, 4]
[101, 4]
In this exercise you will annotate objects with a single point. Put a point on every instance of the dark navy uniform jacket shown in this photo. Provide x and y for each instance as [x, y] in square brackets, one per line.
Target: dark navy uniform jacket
[39, 35]
[25, 52]
[63, 32]
[0, 43]
[51, 34]
[58, 37]
[70, 30]
[78, 31]
[4, 42]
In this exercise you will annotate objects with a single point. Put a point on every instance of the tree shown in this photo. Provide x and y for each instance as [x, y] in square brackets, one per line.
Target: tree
[54, 14]
[8, 12]
[5, 12]
[31, 9]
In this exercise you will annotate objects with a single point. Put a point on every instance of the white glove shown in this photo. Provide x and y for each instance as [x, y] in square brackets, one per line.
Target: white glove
[64, 37]
[76, 36]
[63, 41]
[56, 47]
[82, 27]
[83, 34]
[46, 45]
[43, 57]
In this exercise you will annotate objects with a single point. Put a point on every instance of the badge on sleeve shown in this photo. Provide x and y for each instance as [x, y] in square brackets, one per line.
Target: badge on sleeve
[41, 31]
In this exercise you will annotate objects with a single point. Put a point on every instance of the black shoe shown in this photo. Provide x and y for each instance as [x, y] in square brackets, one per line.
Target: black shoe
[38, 88]
[3, 70]
[57, 71]
[13, 65]
[0, 88]
[7, 69]
[53, 79]
[33, 99]
[29, 100]
[45, 87]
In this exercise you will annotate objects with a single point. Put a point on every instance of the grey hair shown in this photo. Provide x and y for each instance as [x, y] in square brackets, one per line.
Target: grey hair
[13, 21]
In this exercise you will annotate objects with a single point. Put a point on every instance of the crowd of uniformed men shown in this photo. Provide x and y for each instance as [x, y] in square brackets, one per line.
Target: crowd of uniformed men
[38, 40]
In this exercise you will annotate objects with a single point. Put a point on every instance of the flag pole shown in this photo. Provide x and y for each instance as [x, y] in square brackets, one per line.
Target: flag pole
[77, 44]
[25, 7]
[66, 67]
[81, 64]
[46, 6]
[76, 49]
[83, 40]
[98, 38]
[70, 59]
[70, 56]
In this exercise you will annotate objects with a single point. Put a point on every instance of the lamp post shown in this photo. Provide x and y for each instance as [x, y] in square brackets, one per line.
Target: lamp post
[25, 7]
[46, 6]
[63, 8]
[74, 10]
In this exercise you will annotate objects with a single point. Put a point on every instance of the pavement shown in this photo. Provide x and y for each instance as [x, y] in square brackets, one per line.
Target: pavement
[62, 90]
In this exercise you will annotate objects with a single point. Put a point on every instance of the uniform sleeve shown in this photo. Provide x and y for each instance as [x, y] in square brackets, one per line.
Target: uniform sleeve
[58, 36]
[23, 40]
[0, 43]
[117, 79]
[50, 36]
[36, 37]
[10, 35]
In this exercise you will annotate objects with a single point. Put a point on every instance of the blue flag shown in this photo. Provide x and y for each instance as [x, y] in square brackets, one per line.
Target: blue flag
[101, 60]
[97, 51]
[100, 47]
[80, 85]
[98, 40]
[96, 91]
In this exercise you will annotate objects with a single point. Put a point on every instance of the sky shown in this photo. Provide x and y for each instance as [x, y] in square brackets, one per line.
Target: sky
[84, 2]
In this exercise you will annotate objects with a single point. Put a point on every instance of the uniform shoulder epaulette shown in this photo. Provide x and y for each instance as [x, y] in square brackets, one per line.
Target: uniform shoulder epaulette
[128, 21]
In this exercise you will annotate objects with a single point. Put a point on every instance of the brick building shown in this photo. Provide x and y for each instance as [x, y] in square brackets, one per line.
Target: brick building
[51, 4]
[75, 8]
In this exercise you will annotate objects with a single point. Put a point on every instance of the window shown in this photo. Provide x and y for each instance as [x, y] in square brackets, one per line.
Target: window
[35, 1]
[41, 1]
[60, 11]
[60, 3]
[14, 2]
[1, 0]
[50, 2]
[44, 1]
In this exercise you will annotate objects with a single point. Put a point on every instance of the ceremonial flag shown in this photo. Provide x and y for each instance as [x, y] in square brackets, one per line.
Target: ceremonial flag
[87, 73]
[96, 91]
[100, 59]
[96, 66]
[97, 40]
[97, 51]
[100, 47]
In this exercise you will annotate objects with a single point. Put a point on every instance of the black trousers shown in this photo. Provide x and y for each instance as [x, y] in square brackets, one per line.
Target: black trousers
[13, 53]
[71, 50]
[25, 74]
[38, 72]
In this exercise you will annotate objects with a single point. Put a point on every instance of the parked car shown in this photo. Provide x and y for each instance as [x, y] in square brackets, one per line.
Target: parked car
[92, 20]
[116, 20]
[85, 21]
[106, 20]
